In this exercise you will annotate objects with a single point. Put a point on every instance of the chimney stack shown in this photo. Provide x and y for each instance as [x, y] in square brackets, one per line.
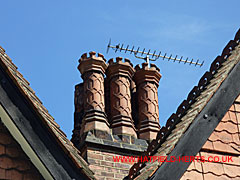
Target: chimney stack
[114, 114]
[147, 82]
[92, 69]
[119, 76]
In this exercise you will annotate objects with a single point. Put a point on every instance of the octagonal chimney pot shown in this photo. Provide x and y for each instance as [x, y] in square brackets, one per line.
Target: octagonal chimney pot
[92, 69]
[147, 82]
[119, 76]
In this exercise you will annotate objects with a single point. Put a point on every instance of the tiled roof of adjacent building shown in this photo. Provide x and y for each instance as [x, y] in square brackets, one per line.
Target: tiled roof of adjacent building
[179, 123]
[223, 143]
[49, 121]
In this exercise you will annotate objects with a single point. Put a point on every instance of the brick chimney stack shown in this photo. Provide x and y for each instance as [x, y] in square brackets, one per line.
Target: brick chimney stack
[106, 113]
[147, 82]
[119, 76]
[92, 69]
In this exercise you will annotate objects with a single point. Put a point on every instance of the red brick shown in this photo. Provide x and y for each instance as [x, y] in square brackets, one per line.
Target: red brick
[108, 158]
[93, 167]
[112, 179]
[107, 166]
[121, 176]
[124, 171]
[97, 172]
[123, 166]
[100, 178]
[97, 151]
[108, 153]
[93, 161]
[107, 174]
[105, 163]
[112, 169]
[95, 156]
[91, 151]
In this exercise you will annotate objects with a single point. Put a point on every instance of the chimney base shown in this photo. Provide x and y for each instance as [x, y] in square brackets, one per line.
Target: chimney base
[149, 135]
[95, 120]
[120, 130]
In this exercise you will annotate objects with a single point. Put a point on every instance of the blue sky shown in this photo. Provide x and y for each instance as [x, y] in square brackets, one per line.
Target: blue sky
[46, 38]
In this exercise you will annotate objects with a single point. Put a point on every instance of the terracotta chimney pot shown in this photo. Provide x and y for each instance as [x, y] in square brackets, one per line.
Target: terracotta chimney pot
[147, 82]
[119, 76]
[92, 69]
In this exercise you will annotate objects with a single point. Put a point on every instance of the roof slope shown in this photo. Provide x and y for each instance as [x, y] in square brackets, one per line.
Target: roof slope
[47, 119]
[225, 139]
[188, 111]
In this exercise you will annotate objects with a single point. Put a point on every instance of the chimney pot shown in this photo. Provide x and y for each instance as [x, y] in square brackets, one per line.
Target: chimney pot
[119, 76]
[92, 69]
[147, 81]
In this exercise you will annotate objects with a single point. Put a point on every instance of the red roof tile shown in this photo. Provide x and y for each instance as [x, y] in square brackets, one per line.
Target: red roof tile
[224, 139]
[208, 145]
[189, 175]
[231, 170]
[229, 127]
[210, 176]
[212, 167]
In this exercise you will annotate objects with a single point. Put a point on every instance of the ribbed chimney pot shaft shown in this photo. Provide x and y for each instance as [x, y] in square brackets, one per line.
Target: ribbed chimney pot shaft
[92, 69]
[119, 75]
[147, 81]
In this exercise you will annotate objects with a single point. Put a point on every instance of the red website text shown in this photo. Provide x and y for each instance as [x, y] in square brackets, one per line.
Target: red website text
[132, 159]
